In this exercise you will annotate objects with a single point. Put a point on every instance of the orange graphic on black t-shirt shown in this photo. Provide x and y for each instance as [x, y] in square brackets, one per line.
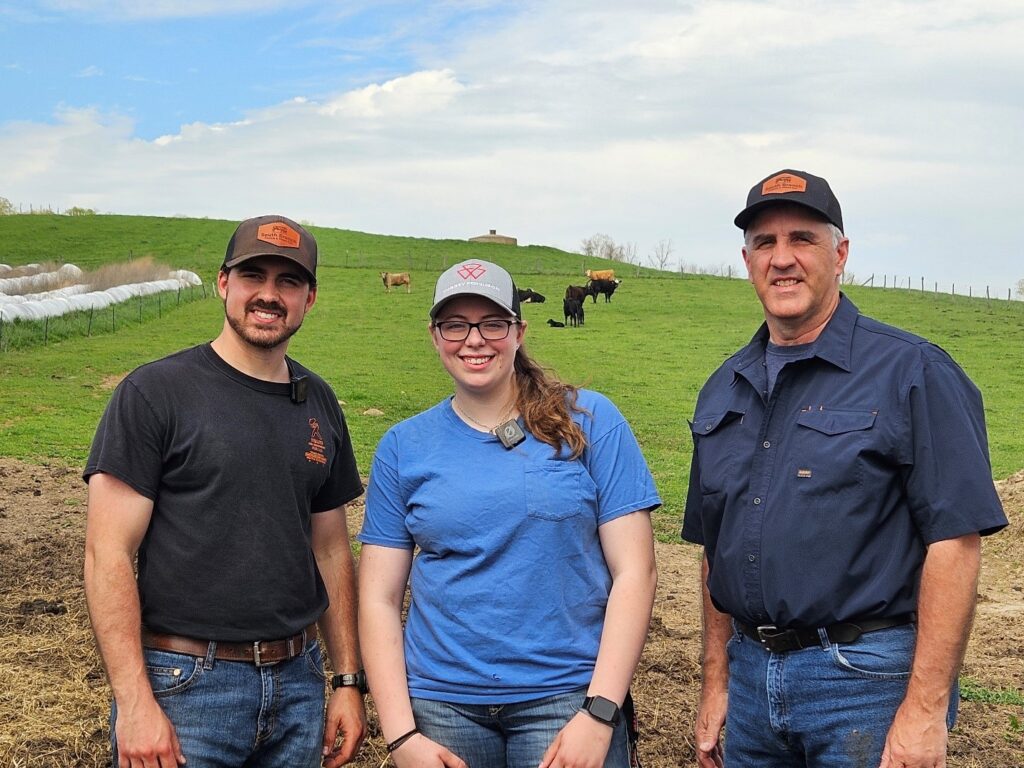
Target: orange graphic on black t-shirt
[316, 444]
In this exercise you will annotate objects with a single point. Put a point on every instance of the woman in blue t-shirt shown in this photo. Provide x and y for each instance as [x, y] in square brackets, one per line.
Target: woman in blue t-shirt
[528, 501]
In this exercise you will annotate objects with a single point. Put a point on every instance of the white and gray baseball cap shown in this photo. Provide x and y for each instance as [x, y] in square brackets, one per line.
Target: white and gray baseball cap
[474, 277]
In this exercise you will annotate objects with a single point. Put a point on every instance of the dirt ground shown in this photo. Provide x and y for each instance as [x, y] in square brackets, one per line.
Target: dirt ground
[54, 697]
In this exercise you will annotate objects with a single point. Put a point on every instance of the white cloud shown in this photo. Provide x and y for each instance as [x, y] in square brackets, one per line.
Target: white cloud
[91, 71]
[402, 97]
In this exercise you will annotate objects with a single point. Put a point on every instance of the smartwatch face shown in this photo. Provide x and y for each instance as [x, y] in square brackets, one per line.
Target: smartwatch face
[603, 709]
[361, 682]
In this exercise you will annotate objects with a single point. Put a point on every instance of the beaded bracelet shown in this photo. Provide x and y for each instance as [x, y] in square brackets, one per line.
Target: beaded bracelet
[401, 740]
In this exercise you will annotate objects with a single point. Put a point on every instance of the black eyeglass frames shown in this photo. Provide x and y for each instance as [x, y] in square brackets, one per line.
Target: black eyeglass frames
[491, 329]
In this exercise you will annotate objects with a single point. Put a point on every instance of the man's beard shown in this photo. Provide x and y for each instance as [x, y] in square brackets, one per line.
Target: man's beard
[263, 338]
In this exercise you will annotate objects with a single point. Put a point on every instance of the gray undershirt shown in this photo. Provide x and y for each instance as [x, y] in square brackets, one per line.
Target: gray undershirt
[776, 356]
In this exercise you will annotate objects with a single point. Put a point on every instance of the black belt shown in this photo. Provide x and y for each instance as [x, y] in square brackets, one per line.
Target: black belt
[782, 639]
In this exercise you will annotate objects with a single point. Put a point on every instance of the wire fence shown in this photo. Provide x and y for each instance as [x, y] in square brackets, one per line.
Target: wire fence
[910, 284]
[22, 334]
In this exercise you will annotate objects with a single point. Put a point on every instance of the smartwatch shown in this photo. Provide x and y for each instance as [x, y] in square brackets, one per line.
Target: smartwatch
[356, 680]
[601, 709]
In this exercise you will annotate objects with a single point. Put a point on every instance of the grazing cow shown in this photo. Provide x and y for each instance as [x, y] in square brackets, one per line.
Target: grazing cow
[607, 287]
[529, 296]
[556, 324]
[396, 278]
[573, 311]
[576, 292]
[600, 274]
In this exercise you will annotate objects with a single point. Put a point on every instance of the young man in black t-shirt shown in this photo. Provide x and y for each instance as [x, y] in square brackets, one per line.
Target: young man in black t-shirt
[226, 469]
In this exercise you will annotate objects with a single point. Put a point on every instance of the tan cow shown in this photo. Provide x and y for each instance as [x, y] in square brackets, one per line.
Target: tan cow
[600, 274]
[396, 278]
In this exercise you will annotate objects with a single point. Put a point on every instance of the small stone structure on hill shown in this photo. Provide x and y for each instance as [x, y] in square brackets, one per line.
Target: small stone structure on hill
[494, 237]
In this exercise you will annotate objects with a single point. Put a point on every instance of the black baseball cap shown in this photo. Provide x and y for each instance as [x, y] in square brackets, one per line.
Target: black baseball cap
[273, 236]
[790, 186]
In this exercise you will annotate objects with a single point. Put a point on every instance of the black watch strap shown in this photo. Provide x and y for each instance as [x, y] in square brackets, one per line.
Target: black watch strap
[354, 680]
[603, 710]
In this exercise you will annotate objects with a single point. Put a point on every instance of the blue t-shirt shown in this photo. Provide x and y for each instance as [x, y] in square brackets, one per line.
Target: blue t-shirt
[509, 587]
[815, 503]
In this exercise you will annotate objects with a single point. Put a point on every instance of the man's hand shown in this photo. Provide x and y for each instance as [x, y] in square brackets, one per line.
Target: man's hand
[916, 739]
[346, 717]
[708, 730]
[145, 737]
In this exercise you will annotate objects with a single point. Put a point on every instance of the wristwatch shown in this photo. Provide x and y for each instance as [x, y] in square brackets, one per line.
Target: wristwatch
[603, 710]
[356, 680]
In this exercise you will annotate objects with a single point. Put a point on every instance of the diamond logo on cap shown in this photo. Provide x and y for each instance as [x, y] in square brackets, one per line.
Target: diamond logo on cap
[471, 271]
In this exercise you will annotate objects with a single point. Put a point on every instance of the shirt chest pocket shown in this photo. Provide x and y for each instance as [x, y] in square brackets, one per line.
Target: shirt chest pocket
[833, 422]
[718, 439]
[830, 443]
[554, 492]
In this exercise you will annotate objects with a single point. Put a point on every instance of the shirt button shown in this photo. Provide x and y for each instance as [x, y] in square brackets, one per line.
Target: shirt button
[707, 427]
[757, 500]
[767, 444]
[751, 558]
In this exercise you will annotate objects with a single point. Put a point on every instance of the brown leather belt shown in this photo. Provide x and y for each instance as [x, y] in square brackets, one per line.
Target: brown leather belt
[260, 653]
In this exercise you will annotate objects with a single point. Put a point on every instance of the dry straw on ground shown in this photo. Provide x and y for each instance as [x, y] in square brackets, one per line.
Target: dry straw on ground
[54, 700]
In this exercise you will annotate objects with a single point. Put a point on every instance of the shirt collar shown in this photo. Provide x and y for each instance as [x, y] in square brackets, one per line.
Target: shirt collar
[834, 345]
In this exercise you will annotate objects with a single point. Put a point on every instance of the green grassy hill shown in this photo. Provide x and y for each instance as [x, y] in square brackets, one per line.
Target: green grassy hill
[650, 349]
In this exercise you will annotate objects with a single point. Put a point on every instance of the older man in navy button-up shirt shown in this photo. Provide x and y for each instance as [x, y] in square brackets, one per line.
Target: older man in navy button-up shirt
[839, 485]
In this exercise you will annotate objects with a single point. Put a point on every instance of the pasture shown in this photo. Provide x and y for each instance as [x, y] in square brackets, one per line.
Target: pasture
[650, 349]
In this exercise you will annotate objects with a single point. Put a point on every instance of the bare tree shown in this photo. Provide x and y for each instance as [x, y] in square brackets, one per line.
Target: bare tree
[1020, 287]
[660, 254]
[603, 247]
[629, 253]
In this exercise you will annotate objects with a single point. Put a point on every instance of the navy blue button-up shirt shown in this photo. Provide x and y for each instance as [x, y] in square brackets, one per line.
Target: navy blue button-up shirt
[815, 503]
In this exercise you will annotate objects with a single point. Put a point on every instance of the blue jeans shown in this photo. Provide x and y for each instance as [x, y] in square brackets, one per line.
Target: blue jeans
[230, 714]
[507, 735]
[829, 706]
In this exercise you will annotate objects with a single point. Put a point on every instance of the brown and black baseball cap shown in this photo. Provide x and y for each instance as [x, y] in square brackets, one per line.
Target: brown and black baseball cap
[789, 186]
[273, 236]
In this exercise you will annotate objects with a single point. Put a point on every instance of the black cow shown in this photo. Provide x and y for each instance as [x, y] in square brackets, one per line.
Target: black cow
[607, 287]
[556, 324]
[573, 311]
[529, 296]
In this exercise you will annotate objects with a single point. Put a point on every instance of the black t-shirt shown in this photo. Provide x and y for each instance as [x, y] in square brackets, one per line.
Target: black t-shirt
[234, 469]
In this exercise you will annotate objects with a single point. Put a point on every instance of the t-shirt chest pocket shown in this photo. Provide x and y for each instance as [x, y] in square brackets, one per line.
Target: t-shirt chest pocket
[554, 492]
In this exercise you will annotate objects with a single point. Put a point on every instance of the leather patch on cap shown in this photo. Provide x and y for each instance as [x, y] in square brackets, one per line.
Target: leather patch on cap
[784, 182]
[279, 234]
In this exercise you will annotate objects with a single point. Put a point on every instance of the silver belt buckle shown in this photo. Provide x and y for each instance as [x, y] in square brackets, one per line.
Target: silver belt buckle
[766, 632]
[256, 654]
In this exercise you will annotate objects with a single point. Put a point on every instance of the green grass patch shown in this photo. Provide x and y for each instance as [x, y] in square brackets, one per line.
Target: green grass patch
[972, 690]
[650, 349]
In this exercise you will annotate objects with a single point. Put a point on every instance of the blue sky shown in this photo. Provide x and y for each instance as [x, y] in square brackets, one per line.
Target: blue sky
[550, 121]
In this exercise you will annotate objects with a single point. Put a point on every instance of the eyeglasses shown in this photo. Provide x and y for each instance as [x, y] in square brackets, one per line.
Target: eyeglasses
[490, 330]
